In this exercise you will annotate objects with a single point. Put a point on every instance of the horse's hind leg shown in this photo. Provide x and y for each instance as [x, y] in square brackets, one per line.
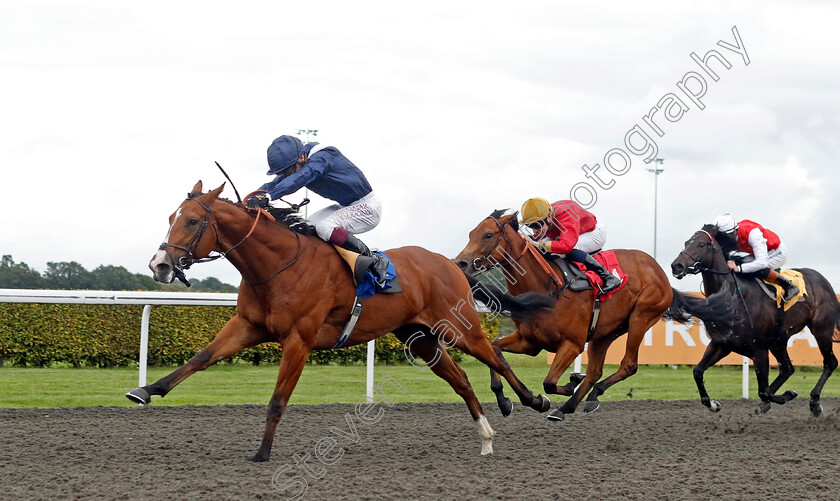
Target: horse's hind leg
[235, 336]
[429, 348]
[711, 356]
[823, 336]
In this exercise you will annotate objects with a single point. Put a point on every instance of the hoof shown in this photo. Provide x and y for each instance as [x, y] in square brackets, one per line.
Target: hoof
[714, 406]
[591, 406]
[816, 409]
[765, 407]
[256, 458]
[791, 394]
[576, 378]
[545, 404]
[506, 406]
[139, 396]
[556, 415]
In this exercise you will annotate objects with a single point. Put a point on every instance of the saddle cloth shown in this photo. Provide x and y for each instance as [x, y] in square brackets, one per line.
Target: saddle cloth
[366, 285]
[795, 278]
[610, 263]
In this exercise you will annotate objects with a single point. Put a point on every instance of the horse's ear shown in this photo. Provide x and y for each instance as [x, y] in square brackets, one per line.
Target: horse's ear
[515, 222]
[196, 190]
[214, 194]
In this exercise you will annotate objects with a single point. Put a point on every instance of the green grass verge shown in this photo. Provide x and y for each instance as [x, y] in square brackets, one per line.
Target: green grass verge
[245, 384]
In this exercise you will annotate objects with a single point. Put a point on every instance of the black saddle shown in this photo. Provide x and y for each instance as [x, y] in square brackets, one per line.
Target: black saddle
[572, 275]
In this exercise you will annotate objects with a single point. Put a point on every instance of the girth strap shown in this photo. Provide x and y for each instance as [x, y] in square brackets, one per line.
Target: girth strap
[596, 314]
[351, 324]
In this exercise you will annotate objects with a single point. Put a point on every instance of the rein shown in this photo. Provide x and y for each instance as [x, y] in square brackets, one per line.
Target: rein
[187, 260]
[529, 249]
[696, 266]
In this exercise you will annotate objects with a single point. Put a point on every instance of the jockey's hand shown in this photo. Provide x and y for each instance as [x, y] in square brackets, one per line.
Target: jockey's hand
[257, 201]
[732, 266]
[544, 246]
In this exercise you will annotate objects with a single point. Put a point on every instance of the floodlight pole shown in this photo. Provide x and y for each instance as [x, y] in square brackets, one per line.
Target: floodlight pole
[657, 169]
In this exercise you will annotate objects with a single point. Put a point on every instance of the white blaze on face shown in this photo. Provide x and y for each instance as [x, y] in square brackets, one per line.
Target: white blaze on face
[161, 257]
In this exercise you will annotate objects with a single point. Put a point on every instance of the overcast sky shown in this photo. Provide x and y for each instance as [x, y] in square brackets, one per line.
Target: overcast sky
[111, 111]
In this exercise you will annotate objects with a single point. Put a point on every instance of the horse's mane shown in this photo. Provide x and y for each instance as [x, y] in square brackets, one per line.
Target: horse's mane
[286, 216]
[727, 244]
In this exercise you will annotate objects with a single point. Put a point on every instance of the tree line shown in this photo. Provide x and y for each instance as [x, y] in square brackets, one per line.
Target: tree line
[72, 275]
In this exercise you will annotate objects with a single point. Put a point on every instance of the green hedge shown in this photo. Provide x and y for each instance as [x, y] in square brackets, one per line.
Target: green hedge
[41, 335]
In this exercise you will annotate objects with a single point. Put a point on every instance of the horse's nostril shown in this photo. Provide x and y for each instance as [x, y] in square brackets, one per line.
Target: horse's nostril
[462, 264]
[162, 268]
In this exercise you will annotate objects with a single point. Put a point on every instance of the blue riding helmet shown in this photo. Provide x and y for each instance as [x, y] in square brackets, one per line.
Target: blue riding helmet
[283, 153]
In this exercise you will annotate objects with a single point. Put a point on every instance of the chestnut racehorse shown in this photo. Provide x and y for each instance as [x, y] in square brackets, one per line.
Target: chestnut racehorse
[298, 292]
[636, 307]
[757, 325]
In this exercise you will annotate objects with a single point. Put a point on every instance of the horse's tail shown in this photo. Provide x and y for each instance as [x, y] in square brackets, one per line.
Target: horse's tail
[522, 306]
[719, 307]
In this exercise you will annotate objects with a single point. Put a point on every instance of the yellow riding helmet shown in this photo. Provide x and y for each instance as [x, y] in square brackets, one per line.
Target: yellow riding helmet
[535, 209]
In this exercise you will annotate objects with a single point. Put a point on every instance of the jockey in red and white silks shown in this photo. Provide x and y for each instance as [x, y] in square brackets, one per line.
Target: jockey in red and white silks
[766, 251]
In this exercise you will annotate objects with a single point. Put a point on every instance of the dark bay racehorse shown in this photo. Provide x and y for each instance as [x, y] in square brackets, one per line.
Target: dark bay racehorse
[297, 291]
[643, 300]
[757, 324]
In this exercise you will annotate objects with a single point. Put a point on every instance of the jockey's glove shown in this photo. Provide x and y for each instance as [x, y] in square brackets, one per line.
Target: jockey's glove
[544, 245]
[258, 201]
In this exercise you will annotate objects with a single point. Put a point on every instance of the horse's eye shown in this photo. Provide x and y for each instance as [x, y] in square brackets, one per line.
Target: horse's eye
[488, 235]
[701, 244]
[192, 222]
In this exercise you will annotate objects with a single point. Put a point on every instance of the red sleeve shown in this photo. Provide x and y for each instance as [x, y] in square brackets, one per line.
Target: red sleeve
[567, 240]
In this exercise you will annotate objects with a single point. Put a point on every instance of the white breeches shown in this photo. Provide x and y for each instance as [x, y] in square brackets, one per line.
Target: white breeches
[360, 216]
[592, 241]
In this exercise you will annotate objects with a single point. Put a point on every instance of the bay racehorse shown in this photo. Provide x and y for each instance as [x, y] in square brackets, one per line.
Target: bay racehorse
[298, 292]
[757, 325]
[636, 307]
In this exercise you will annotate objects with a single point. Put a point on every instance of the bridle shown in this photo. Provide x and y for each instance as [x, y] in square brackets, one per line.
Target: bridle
[695, 266]
[189, 258]
[486, 257]
[558, 284]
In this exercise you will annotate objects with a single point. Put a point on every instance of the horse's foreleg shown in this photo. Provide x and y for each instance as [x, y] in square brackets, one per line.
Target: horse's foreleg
[824, 341]
[786, 370]
[513, 343]
[564, 358]
[442, 364]
[761, 361]
[235, 336]
[475, 344]
[711, 356]
[639, 324]
[295, 353]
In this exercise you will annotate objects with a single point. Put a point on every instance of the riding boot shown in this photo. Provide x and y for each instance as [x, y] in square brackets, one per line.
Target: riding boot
[379, 266]
[790, 289]
[610, 281]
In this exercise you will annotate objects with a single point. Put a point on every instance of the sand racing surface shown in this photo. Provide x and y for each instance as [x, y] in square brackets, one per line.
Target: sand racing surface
[625, 450]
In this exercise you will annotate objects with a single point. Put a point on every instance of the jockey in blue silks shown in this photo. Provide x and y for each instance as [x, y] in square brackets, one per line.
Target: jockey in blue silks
[325, 171]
